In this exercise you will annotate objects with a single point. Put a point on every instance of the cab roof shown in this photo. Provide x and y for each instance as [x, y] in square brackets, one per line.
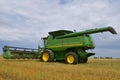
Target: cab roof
[60, 32]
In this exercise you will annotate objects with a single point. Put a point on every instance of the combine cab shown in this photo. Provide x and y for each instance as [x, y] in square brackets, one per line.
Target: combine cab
[20, 53]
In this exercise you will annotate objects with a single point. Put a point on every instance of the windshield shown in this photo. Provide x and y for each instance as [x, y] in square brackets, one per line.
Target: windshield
[42, 45]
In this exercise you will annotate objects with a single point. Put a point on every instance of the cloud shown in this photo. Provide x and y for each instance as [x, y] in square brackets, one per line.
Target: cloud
[28, 20]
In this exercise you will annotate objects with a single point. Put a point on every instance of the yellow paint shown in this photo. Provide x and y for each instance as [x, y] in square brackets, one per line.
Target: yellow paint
[65, 45]
[45, 57]
[70, 59]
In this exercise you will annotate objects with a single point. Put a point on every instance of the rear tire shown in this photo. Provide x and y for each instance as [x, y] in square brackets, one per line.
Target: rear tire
[71, 58]
[47, 56]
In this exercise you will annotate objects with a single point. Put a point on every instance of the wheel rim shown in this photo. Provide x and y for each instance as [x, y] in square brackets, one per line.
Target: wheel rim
[45, 56]
[70, 59]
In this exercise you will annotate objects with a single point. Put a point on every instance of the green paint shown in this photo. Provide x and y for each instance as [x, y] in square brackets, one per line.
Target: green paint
[7, 55]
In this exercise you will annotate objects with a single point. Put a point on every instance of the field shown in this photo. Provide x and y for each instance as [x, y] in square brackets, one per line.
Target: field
[95, 69]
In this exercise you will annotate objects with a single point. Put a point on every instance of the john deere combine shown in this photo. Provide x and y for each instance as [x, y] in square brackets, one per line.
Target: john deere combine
[66, 45]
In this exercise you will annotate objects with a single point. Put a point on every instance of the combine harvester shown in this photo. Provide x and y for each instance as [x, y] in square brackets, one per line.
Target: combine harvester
[61, 45]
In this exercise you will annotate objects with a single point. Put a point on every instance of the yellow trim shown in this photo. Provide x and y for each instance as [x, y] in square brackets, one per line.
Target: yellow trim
[65, 45]
[72, 45]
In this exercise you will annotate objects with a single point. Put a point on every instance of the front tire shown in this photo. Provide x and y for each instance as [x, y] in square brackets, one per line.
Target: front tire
[47, 56]
[71, 58]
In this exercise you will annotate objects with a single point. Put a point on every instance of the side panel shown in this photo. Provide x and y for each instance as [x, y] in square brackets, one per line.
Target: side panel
[60, 55]
[89, 43]
[55, 45]
[71, 42]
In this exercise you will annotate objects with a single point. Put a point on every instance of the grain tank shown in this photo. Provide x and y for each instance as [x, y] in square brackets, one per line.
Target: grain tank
[69, 46]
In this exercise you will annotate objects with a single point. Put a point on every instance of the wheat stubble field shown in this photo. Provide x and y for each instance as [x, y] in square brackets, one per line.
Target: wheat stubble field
[95, 69]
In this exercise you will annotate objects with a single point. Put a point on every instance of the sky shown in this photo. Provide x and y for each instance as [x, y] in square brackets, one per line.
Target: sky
[24, 22]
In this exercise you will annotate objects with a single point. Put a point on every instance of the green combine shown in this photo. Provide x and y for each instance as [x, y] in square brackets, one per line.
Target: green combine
[64, 45]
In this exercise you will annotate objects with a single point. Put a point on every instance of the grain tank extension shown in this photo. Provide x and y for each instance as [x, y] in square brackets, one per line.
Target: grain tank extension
[70, 46]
